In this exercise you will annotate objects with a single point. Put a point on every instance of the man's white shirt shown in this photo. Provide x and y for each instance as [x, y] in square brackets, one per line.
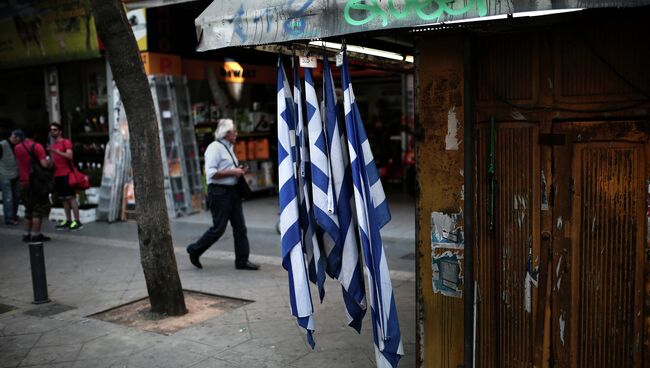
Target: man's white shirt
[217, 158]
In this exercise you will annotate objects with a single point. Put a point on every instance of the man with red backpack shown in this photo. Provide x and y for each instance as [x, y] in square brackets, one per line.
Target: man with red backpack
[61, 151]
[35, 184]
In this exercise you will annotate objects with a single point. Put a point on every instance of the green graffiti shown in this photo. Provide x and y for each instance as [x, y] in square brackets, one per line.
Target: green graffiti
[371, 6]
[423, 9]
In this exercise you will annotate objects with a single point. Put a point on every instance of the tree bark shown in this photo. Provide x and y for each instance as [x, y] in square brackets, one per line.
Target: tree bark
[156, 248]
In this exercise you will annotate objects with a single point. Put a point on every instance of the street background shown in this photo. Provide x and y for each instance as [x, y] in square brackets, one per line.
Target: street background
[98, 268]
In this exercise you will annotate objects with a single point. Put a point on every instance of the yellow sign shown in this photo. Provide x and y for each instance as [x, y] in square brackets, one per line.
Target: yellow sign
[39, 33]
[234, 73]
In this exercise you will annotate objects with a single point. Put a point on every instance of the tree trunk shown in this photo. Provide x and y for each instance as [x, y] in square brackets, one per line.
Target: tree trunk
[156, 248]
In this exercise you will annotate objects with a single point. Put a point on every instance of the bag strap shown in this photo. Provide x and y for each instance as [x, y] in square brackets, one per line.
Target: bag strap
[30, 151]
[231, 156]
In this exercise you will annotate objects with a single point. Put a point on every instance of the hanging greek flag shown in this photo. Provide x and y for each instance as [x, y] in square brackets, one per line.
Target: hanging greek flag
[290, 232]
[311, 244]
[372, 214]
[343, 260]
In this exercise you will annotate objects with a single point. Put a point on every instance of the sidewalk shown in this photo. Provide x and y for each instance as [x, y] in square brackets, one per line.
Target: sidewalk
[91, 272]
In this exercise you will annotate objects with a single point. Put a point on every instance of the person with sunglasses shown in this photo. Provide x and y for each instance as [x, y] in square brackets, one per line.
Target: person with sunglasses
[61, 152]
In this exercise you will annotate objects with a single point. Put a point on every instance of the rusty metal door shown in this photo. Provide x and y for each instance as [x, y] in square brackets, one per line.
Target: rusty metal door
[507, 220]
[598, 241]
[572, 295]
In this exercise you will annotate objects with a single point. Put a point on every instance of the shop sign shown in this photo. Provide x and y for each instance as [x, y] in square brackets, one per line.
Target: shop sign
[36, 32]
[254, 22]
[232, 72]
[229, 71]
[155, 63]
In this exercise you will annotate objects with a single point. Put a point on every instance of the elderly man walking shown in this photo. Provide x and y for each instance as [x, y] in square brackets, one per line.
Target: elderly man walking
[222, 171]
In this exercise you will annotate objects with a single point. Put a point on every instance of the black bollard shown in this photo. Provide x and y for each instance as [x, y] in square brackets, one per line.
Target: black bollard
[39, 281]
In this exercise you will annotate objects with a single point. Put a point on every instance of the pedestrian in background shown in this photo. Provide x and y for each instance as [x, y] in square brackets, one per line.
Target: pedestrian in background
[34, 192]
[61, 152]
[9, 180]
[222, 171]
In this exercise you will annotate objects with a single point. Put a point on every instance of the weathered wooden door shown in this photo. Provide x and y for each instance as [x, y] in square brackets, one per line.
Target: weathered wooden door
[600, 173]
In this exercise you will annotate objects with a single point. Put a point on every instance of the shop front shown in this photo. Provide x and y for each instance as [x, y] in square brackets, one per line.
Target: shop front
[532, 167]
[52, 70]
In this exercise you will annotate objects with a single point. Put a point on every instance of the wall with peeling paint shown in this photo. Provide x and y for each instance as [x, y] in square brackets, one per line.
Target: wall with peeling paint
[440, 167]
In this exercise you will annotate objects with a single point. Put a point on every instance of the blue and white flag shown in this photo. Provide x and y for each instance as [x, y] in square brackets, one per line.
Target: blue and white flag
[372, 214]
[343, 260]
[311, 243]
[290, 232]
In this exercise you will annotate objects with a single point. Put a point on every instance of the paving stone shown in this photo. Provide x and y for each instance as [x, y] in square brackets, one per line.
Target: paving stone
[21, 324]
[18, 342]
[4, 308]
[12, 358]
[51, 354]
[215, 363]
[77, 333]
[48, 310]
[104, 362]
[115, 345]
[343, 358]
[163, 357]
[280, 351]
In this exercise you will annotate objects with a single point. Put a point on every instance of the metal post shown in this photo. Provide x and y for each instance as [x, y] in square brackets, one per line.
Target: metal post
[39, 281]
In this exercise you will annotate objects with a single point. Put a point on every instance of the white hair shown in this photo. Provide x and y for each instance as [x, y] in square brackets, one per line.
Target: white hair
[224, 126]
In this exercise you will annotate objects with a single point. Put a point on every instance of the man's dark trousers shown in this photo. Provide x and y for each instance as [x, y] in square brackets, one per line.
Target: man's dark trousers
[225, 204]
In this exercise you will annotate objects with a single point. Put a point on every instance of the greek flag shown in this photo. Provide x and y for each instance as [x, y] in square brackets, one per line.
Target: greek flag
[292, 252]
[343, 261]
[315, 265]
[372, 214]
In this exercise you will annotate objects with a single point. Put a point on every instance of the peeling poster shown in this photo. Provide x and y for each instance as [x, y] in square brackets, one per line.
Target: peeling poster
[447, 279]
[447, 244]
[446, 231]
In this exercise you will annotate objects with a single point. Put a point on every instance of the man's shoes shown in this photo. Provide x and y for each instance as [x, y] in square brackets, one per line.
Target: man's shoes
[39, 238]
[248, 266]
[63, 225]
[194, 259]
[75, 225]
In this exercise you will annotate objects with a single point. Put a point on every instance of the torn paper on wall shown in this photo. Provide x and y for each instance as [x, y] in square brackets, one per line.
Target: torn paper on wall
[446, 273]
[446, 230]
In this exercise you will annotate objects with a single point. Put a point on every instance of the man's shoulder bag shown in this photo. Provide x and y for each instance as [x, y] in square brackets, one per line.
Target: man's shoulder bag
[243, 189]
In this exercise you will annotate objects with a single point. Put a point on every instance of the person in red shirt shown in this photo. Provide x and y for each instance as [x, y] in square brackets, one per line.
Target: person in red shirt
[37, 206]
[61, 151]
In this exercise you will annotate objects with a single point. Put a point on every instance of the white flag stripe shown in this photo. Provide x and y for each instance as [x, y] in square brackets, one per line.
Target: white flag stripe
[377, 193]
[300, 281]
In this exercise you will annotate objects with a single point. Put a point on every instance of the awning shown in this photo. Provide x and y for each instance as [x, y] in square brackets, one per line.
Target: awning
[255, 22]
